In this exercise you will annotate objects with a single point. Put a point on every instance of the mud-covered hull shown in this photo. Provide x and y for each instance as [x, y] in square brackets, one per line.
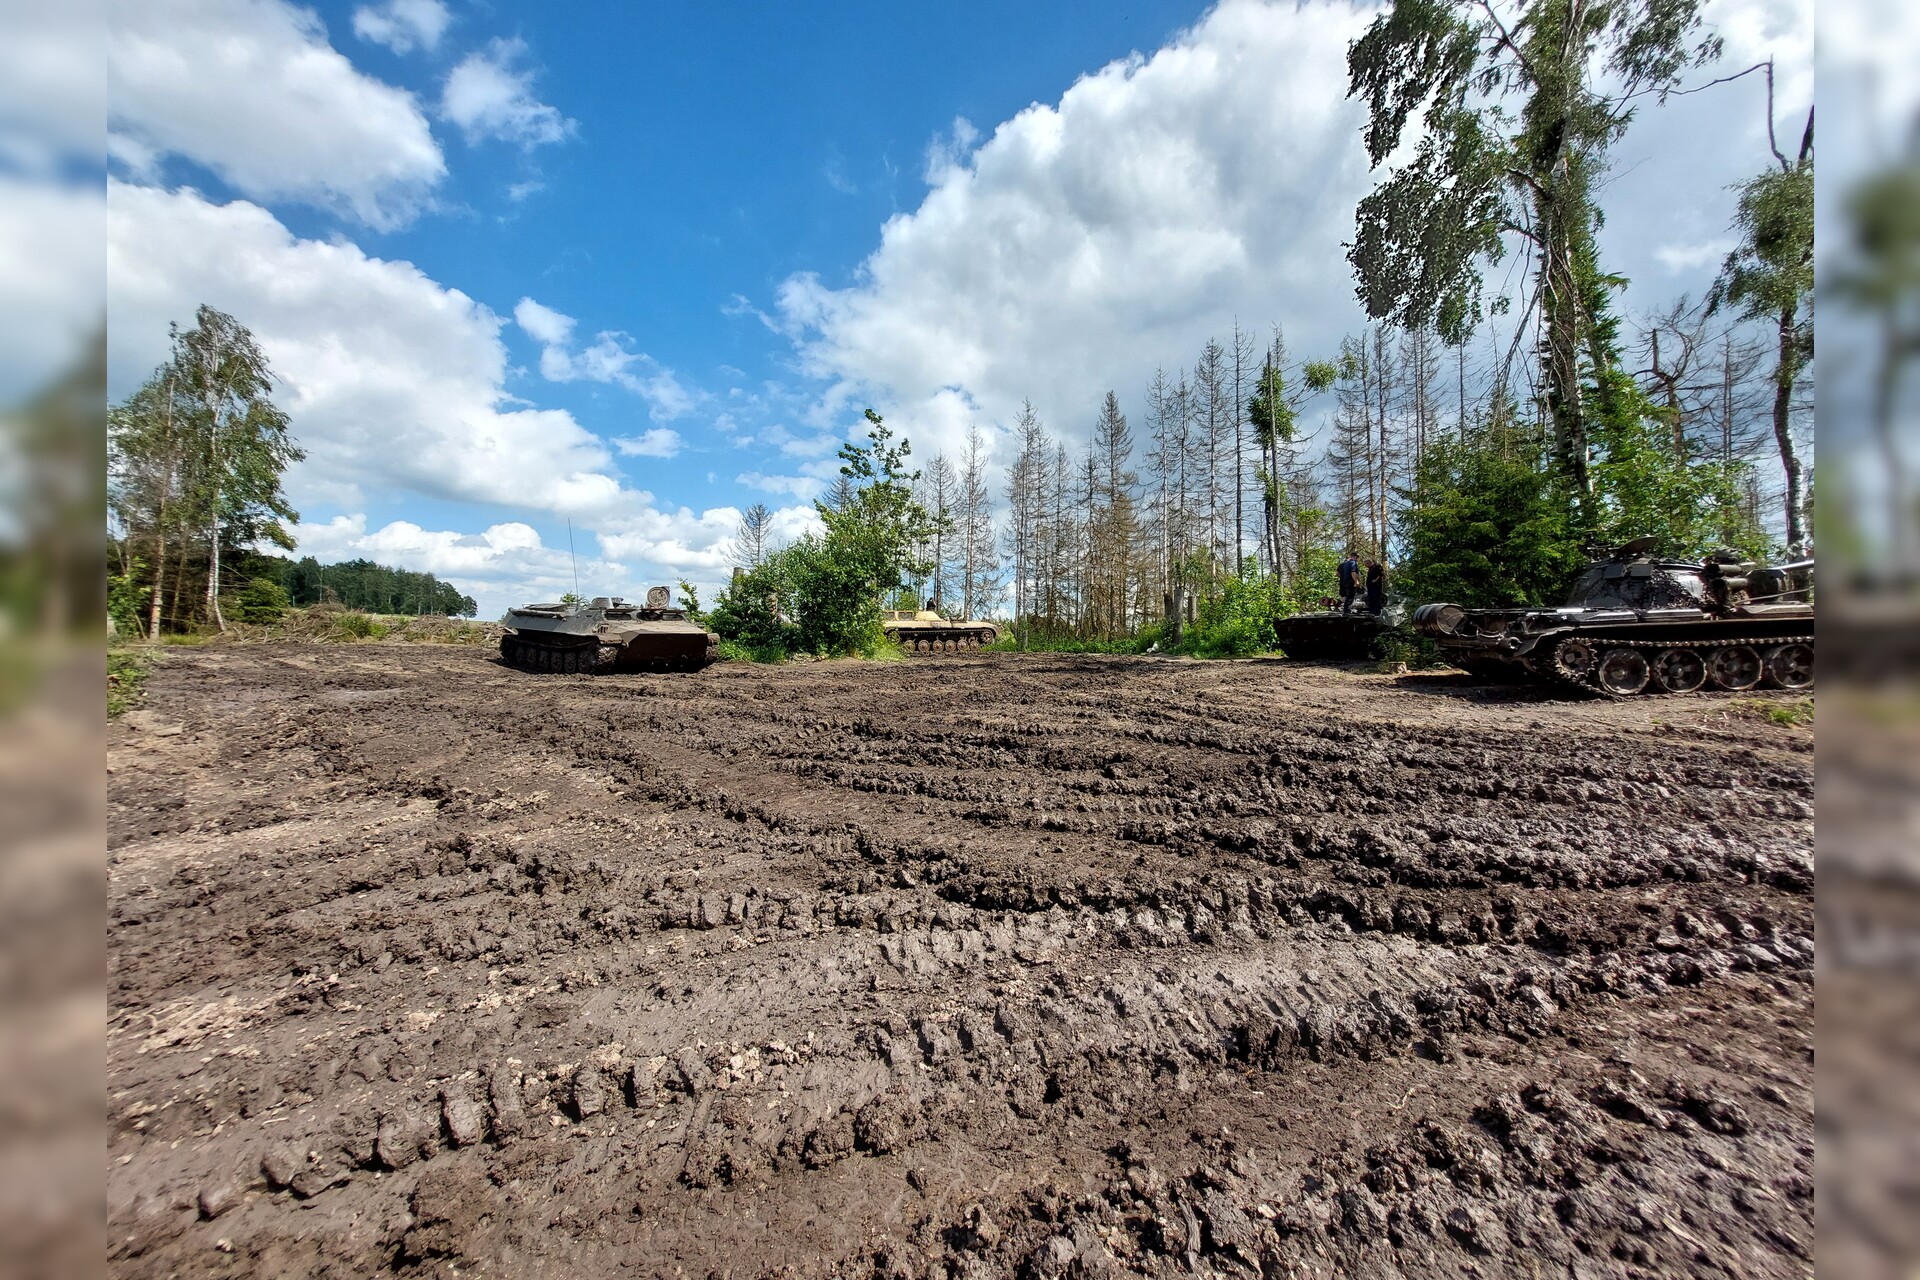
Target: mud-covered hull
[605, 636]
[1332, 636]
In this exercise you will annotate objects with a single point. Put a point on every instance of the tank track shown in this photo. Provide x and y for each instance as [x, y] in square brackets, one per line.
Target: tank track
[937, 643]
[1592, 672]
[548, 659]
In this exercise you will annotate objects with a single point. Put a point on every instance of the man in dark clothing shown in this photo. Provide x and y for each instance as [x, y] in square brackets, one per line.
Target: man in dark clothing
[1349, 581]
[1376, 587]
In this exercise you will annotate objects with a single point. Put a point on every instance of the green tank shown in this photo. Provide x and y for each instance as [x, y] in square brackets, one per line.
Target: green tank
[606, 634]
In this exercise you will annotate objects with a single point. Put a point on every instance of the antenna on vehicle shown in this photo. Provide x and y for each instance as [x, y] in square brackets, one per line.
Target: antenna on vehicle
[572, 557]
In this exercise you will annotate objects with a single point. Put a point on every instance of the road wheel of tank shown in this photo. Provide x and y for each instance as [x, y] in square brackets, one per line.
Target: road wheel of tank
[1575, 657]
[1790, 666]
[1622, 671]
[1735, 667]
[1679, 670]
[576, 661]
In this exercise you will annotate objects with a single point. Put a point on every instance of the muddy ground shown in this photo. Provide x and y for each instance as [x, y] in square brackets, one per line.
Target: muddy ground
[969, 966]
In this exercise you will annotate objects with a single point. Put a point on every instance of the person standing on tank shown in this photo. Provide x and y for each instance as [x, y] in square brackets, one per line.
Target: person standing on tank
[1349, 581]
[1376, 587]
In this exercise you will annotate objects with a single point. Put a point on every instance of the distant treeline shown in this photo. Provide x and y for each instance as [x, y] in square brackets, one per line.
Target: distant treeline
[360, 584]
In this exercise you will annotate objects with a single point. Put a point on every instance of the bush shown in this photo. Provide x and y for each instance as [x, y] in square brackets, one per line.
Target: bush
[262, 600]
[126, 672]
[351, 624]
[125, 595]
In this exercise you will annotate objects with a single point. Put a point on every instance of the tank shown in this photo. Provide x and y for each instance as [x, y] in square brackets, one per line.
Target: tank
[924, 631]
[606, 634]
[1635, 623]
[1329, 635]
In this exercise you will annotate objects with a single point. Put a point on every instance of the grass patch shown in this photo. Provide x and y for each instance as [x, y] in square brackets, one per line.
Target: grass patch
[126, 676]
[1795, 714]
[734, 651]
[350, 624]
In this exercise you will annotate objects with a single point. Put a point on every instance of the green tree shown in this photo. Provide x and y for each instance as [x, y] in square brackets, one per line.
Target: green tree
[196, 456]
[1490, 527]
[263, 600]
[1769, 276]
[1482, 173]
[241, 439]
[873, 526]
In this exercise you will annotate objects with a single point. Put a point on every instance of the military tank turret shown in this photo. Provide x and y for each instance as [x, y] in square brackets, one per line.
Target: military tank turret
[1635, 623]
[606, 634]
[925, 631]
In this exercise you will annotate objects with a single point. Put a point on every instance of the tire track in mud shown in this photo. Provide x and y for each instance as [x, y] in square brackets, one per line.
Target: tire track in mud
[632, 958]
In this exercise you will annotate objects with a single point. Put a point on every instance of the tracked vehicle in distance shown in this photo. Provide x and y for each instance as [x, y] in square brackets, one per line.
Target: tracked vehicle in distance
[606, 634]
[925, 631]
[1635, 623]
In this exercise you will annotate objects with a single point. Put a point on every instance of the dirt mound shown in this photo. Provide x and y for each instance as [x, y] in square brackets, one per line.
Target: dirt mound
[1003, 965]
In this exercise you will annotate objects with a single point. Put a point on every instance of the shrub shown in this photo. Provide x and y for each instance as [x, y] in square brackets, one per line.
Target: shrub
[262, 600]
[126, 673]
[351, 624]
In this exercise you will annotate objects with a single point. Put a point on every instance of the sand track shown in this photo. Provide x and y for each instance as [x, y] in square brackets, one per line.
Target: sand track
[978, 966]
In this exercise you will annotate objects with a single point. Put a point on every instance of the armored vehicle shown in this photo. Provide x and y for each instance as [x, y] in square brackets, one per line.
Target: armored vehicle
[606, 634]
[1636, 623]
[924, 631]
[1332, 636]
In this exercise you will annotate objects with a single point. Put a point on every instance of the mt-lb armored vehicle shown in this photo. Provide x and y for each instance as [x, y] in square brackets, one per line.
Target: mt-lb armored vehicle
[1635, 623]
[924, 631]
[606, 634]
[1331, 635]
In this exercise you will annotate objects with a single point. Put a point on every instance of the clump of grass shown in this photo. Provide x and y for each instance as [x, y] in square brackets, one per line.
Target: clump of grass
[351, 624]
[126, 674]
[1795, 714]
[734, 651]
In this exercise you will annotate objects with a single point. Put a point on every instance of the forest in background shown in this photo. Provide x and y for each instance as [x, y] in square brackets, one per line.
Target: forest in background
[1477, 440]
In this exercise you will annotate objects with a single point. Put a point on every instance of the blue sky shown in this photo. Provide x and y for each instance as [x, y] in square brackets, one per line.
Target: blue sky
[635, 267]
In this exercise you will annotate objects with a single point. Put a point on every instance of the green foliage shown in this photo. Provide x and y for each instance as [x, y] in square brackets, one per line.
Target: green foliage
[752, 613]
[690, 601]
[1491, 526]
[126, 675]
[1771, 268]
[361, 584]
[263, 600]
[126, 593]
[1238, 620]
[1641, 488]
[824, 593]
[351, 624]
[734, 651]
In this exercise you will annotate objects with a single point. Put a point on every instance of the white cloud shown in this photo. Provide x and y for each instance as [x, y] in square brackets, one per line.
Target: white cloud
[403, 25]
[488, 98]
[543, 324]
[806, 488]
[507, 564]
[1085, 243]
[1077, 246]
[391, 379]
[698, 546]
[252, 90]
[56, 285]
[606, 359]
[661, 442]
[1677, 258]
[521, 190]
[55, 101]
